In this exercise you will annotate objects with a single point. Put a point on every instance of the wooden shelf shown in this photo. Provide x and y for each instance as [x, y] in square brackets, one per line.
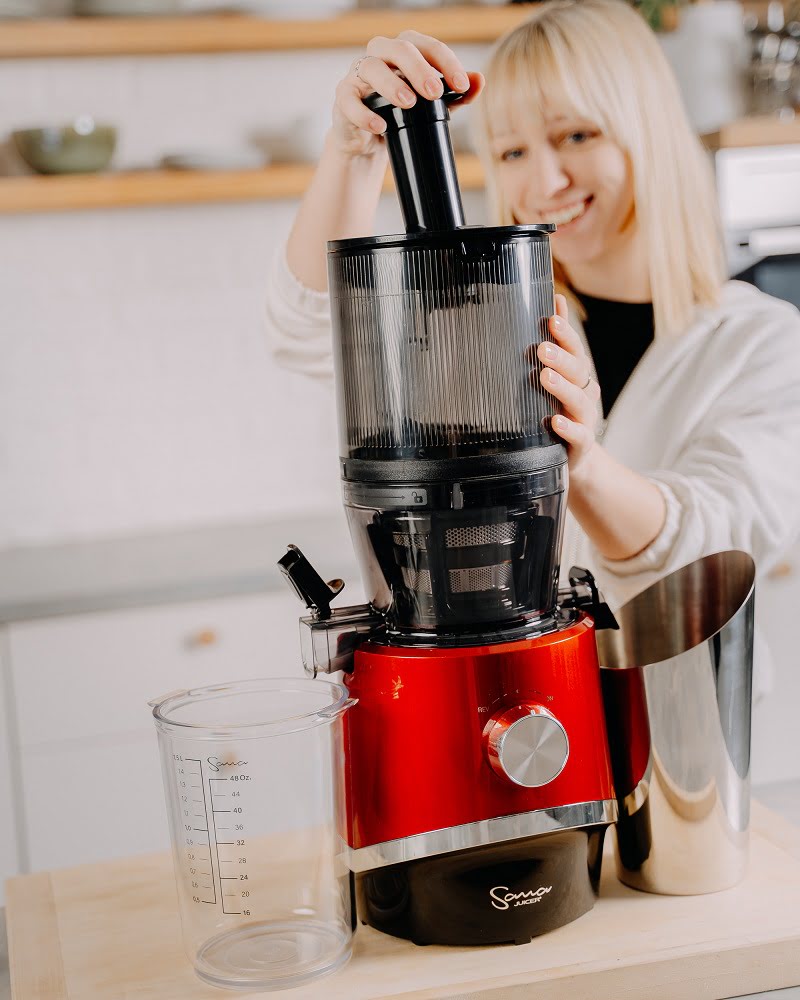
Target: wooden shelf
[175, 187]
[757, 130]
[172, 187]
[115, 36]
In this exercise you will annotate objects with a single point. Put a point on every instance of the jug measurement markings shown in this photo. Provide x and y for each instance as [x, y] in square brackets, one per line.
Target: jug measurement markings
[213, 795]
[201, 847]
[195, 850]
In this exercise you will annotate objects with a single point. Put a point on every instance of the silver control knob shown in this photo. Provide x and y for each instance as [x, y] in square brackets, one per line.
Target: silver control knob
[528, 745]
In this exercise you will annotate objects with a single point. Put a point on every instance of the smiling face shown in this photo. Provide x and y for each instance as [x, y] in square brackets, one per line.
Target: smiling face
[582, 123]
[561, 168]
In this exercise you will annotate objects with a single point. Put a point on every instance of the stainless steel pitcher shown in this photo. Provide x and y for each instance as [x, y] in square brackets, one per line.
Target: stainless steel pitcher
[677, 685]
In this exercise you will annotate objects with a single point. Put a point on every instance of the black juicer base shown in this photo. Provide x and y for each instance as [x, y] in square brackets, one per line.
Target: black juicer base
[502, 894]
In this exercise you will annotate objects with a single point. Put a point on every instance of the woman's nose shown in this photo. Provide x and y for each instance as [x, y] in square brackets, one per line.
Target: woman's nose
[548, 179]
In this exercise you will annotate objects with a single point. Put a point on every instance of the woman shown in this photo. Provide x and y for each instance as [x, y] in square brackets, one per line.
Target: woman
[698, 446]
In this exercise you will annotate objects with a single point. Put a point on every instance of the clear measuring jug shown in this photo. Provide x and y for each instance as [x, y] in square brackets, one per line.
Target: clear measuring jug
[253, 788]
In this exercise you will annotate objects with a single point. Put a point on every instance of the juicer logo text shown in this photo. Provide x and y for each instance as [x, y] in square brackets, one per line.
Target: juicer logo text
[216, 764]
[502, 899]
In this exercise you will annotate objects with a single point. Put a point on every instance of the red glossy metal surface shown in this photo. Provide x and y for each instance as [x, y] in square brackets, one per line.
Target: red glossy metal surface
[415, 748]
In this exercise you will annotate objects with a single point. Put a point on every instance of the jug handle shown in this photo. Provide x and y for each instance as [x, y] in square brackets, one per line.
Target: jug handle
[336, 710]
[164, 697]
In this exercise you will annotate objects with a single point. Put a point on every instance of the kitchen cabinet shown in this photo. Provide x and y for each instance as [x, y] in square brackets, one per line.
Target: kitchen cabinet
[89, 676]
[92, 801]
[83, 782]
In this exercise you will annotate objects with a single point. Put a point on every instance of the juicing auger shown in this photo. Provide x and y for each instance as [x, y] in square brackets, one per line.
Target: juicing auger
[477, 777]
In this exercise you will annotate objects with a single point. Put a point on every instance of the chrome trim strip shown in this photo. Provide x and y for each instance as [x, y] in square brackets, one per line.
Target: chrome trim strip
[480, 834]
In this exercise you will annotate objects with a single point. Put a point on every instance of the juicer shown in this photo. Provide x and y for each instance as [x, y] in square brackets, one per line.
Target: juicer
[476, 768]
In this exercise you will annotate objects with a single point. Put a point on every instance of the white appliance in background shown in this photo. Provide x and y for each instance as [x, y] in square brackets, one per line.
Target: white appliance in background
[759, 196]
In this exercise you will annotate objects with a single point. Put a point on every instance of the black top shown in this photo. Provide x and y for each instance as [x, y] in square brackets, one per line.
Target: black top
[618, 334]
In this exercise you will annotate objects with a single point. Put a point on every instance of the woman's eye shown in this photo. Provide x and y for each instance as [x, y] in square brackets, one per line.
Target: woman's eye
[512, 154]
[578, 138]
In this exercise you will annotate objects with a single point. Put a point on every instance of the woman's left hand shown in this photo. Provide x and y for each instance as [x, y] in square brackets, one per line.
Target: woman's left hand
[567, 375]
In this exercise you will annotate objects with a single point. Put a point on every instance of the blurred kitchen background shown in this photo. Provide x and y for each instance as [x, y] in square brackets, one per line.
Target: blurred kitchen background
[154, 461]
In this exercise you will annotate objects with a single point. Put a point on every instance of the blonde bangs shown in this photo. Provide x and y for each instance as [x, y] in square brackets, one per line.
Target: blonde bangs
[537, 66]
[527, 77]
[599, 59]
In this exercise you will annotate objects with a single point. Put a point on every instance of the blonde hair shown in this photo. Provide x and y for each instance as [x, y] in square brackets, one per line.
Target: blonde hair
[602, 57]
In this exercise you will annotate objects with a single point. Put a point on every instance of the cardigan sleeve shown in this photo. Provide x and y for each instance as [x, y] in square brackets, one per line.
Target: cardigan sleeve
[298, 323]
[655, 556]
[735, 484]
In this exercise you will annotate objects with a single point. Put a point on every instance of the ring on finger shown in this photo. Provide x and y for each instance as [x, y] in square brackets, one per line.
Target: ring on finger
[586, 383]
[358, 66]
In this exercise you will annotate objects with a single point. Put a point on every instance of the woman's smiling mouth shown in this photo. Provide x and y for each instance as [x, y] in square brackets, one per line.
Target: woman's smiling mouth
[568, 214]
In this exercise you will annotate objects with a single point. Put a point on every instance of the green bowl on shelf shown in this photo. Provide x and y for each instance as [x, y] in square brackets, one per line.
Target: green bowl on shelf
[80, 148]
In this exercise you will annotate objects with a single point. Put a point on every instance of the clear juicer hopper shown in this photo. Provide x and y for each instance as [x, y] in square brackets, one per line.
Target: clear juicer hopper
[453, 480]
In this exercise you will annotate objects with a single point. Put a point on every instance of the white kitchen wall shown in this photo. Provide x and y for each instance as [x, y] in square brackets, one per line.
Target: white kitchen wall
[136, 389]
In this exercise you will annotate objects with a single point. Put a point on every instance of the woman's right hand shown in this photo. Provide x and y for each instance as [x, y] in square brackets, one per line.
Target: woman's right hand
[385, 68]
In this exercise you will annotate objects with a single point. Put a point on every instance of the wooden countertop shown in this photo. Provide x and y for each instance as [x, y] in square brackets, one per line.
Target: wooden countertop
[111, 931]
